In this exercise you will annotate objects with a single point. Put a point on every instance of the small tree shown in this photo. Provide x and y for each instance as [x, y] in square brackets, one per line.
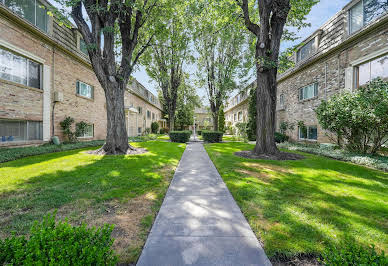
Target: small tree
[242, 131]
[252, 116]
[154, 127]
[285, 127]
[221, 119]
[361, 118]
[70, 135]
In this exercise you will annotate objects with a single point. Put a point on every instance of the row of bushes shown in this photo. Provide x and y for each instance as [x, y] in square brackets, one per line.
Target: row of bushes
[10, 154]
[180, 136]
[375, 161]
[212, 136]
[52, 243]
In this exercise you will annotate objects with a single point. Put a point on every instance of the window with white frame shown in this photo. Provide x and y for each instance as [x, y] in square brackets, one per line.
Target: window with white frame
[235, 117]
[11, 130]
[312, 133]
[140, 109]
[240, 116]
[148, 114]
[19, 69]
[31, 10]
[308, 92]
[281, 101]
[364, 12]
[376, 68]
[89, 132]
[305, 51]
[85, 90]
[153, 116]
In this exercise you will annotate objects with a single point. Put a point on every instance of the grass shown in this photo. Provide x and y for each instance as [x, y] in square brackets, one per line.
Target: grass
[299, 207]
[163, 137]
[232, 138]
[123, 190]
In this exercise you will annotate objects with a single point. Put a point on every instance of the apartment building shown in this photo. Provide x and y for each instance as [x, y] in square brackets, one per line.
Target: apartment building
[236, 108]
[348, 51]
[45, 75]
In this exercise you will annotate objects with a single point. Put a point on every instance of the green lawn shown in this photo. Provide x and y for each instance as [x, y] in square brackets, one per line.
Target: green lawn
[163, 137]
[123, 190]
[298, 207]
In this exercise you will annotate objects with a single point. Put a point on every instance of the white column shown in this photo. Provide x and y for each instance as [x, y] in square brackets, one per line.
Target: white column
[46, 102]
[349, 78]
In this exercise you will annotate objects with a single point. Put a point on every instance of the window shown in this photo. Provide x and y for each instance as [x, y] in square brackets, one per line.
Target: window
[281, 101]
[89, 132]
[20, 130]
[312, 133]
[139, 130]
[371, 70]
[240, 116]
[305, 51]
[140, 109]
[148, 114]
[308, 92]
[153, 116]
[82, 46]
[364, 12]
[235, 117]
[85, 90]
[19, 69]
[31, 10]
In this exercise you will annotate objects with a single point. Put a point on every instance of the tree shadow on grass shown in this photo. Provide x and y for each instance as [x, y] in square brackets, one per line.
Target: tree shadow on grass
[304, 205]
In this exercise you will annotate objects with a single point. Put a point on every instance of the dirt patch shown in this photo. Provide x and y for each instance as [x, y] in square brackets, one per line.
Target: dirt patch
[268, 167]
[260, 175]
[129, 152]
[281, 156]
[300, 260]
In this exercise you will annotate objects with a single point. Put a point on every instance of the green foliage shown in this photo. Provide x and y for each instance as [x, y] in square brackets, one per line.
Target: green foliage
[10, 154]
[154, 127]
[221, 119]
[252, 115]
[350, 253]
[80, 128]
[286, 126]
[212, 136]
[147, 131]
[164, 130]
[242, 129]
[180, 136]
[52, 243]
[302, 127]
[361, 118]
[70, 135]
[279, 137]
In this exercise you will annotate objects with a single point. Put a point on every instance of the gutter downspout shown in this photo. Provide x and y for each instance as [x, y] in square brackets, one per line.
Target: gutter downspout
[52, 92]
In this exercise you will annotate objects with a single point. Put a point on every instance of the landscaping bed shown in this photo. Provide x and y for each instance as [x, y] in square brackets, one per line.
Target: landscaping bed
[126, 191]
[299, 209]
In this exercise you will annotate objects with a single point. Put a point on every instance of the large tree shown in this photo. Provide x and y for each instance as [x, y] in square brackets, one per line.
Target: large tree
[266, 19]
[187, 101]
[116, 34]
[164, 62]
[221, 43]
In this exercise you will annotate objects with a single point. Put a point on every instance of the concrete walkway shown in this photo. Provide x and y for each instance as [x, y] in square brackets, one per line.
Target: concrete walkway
[199, 222]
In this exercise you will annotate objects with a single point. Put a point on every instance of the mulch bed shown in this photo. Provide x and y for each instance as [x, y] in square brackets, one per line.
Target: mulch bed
[281, 156]
[129, 152]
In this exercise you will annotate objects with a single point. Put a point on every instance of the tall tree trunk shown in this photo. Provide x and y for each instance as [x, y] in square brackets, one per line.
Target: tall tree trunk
[117, 137]
[266, 113]
[215, 121]
[171, 119]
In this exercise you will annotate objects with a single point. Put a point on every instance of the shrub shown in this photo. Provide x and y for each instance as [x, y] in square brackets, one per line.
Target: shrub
[242, 129]
[180, 136]
[66, 125]
[52, 243]
[252, 115]
[199, 132]
[349, 253]
[164, 130]
[154, 127]
[212, 136]
[221, 119]
[147, 131]
[10, 154]
[360, 118]
[279, 137]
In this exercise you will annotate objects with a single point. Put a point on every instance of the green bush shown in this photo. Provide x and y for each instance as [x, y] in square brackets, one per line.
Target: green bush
[279, 137]
[180, 136]
[212, 136]
[10, 154]
[154, 127]
[164, 130]
[199, 132]
[349, 253]
[51, 243]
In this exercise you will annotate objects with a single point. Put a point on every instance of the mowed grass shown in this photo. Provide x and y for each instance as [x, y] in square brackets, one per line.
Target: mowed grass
[299, 207]
[124, 190]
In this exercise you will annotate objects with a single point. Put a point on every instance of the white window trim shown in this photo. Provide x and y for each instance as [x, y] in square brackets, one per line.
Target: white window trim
[21, 51]
[307, 134]
[301, 100]
[91, 90]
[88, 137]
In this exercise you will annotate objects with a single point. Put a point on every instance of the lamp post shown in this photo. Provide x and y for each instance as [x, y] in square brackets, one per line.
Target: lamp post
[194, 127]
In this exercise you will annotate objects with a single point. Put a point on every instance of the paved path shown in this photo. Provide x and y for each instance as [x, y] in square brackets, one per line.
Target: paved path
[199, 222]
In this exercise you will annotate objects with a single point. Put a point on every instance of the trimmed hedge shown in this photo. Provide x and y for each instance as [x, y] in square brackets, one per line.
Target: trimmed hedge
[10, 154]
[180, 136]
[279, 137]
[51, 243]
[212, 136]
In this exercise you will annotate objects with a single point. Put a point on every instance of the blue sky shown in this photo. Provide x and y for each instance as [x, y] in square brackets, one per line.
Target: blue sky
[320, 13]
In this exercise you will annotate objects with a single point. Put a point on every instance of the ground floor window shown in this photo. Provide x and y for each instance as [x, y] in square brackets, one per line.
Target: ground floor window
[240, 117]
[311, 134]
[371, 70]
[139, 130]
[11, 130]
[89, 132]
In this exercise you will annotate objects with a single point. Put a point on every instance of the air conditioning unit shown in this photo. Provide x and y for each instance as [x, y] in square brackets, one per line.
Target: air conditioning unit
[58, 96]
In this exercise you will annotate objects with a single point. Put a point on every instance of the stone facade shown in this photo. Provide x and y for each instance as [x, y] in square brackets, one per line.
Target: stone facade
[331, 67]
[62, 65]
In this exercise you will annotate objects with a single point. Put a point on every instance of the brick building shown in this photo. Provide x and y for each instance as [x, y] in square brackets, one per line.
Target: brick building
[45, 75]
[346, 52]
